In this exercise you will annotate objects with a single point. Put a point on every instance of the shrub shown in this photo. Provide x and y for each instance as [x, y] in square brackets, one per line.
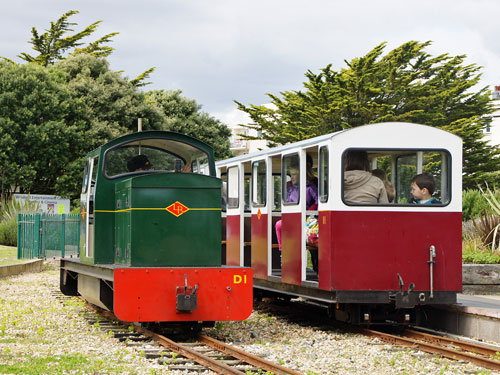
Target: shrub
[473, 251]
[488, 223]
[8, 219]
[8, 232]
[14, 207]
[473, 204]
[480, 257]
[487, 227]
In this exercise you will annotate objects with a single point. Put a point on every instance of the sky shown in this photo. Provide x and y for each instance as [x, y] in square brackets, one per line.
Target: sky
[218, 51]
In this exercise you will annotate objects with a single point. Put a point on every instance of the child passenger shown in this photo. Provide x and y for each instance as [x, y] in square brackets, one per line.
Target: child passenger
[422, 188]
[389, 188]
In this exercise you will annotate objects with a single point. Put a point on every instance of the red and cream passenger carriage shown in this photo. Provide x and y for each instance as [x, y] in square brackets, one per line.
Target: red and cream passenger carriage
[377, 262]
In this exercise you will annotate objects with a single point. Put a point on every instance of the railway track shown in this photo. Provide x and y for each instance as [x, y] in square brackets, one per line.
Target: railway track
[452, 348]
[198, 355]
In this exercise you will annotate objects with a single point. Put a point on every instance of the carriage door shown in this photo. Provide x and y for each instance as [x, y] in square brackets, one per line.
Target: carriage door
[234, 215]
[260, 219]
[291, 220]
[324, 218]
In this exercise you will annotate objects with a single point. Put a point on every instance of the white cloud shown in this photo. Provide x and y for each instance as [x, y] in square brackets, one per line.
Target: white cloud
[232, 117]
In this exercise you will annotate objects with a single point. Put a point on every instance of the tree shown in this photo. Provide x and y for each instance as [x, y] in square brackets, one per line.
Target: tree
[406, 84]
[35, 141]
[55, 109]
[104, 105]
[51, 117]
[54, 45]
[183, 115]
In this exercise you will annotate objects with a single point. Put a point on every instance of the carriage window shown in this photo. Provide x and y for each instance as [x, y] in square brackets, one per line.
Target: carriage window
[323, 174]
[426, 170]
[246, 192]
[290, 179]
[277, 192]
[233, 187]
[259, 183]
[155, 154]
[224, 193]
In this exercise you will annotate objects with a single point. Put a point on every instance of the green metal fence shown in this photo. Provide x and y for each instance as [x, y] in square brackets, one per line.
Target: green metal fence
[47, 235]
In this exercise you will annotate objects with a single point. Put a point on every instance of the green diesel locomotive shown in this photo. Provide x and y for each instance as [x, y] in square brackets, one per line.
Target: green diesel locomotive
[150, 248]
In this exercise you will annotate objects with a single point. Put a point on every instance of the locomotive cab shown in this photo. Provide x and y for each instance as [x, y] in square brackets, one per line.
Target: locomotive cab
[124, 204]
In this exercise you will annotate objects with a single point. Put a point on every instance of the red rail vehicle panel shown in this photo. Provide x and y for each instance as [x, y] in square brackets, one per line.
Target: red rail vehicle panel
[369, 249]
[150, 294]
[291, 246]
[233, 240]
[259, 245]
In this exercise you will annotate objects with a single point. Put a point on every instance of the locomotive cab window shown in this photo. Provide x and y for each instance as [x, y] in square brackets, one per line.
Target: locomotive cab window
[155, 154]
[396, 177]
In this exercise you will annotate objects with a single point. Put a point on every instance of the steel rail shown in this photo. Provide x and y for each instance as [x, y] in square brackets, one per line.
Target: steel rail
[246, 357]
[217, 366]
[434, 349]
[440, 340]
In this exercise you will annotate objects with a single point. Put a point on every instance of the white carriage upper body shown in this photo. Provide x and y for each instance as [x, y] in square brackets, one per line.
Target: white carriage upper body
[386, 137]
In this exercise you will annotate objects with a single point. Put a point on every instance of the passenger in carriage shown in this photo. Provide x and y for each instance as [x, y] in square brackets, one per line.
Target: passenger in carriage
[389, 188]
[360, 186]
[422, 188]
[292, 191]
[292, 196]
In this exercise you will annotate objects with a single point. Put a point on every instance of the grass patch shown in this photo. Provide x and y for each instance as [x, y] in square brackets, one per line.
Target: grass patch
[48, 365]
[6, 262]
[8, 252]
[480, 257]
[8, 255]
[67, 364]
[8, 341]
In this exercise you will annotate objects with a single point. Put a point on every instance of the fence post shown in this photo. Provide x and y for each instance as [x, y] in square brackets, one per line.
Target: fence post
[78, 236]
[19, 242]
[36, 236]
[63, 234]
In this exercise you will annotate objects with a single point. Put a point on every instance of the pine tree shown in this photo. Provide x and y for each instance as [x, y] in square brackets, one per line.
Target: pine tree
[53, 44]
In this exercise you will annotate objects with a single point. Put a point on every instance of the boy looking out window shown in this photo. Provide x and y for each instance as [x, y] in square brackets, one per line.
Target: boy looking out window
[422, 188]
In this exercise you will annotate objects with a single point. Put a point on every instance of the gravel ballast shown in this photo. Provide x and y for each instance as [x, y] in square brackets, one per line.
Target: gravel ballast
[42, 335]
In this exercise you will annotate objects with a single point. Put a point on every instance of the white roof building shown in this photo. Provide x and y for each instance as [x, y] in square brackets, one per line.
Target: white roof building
[492, 133]
[240, 145]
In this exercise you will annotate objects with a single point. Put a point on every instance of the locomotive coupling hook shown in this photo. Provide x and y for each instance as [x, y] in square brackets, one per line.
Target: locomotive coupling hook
[188, 301]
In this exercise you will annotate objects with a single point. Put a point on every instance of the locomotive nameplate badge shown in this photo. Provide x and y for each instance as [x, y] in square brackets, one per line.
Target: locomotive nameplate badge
[177, 209]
